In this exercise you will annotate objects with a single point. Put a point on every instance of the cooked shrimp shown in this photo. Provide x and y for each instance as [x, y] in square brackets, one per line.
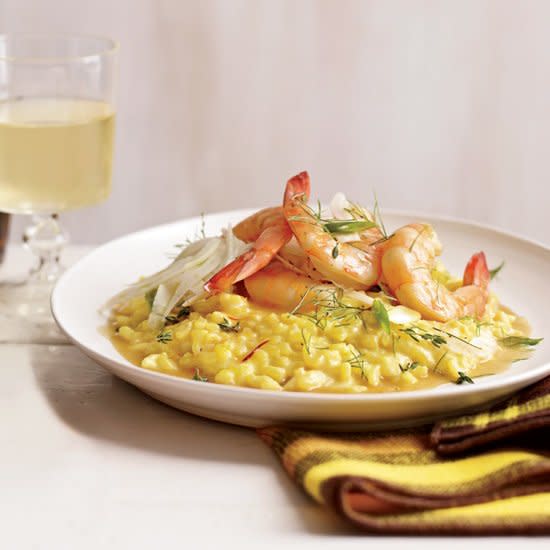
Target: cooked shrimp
[281, 288]
[291, 254]
[262, 252]
[351, 264]
[251, 228]
[407, 260]
[293, 257]
[269, 231]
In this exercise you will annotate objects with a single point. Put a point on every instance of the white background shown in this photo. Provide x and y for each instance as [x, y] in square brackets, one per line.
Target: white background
[438, 106]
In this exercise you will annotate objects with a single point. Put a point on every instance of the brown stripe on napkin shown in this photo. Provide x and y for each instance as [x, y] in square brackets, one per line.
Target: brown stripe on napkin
[524, 417]
[378, 509]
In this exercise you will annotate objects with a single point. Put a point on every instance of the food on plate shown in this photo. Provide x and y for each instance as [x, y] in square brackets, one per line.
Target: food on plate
[304, 298]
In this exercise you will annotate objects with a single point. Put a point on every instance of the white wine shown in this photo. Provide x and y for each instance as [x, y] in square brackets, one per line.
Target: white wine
[55, 154]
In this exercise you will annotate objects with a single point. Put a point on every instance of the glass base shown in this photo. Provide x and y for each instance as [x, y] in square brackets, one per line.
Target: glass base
[25, 314]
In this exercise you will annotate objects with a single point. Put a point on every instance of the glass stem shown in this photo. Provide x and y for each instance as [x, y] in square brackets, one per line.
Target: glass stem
[46, 239]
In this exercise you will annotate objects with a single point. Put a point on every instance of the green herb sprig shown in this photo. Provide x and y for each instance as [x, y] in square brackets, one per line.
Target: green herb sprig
[197, 376]
[306, 342]
[328, 306]
[301, 302]
[519, 342]
[345, 227]
[408, 367]
[182, 314]
[333, 226]
[417, 334]
[357, 362]
[381, 314]
[463, 378]
[164, 337]
[479, 324]
[496, 270]
[226, 326]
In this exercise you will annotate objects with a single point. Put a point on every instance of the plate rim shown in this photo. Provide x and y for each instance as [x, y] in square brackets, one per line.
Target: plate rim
[438, 392]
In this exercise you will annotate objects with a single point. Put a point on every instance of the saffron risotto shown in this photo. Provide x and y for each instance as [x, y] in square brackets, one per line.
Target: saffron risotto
[318, 299]
[338, 346]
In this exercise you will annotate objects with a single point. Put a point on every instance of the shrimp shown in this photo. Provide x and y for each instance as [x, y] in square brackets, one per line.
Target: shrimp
[278, 287]
[350, 264]
[291, 254]
[407, 258]
[268, 230]
[251, 228]
[262, 252]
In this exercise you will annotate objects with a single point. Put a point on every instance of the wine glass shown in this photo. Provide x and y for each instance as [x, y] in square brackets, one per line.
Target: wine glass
[57, 121]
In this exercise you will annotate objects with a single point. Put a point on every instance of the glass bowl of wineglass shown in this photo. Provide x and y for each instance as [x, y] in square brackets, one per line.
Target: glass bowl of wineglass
[57, 119]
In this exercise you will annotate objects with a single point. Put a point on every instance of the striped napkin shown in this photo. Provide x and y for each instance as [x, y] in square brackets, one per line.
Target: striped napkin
[423, 481]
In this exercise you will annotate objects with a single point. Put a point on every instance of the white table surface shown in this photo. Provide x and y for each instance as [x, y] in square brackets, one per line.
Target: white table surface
[90, 462]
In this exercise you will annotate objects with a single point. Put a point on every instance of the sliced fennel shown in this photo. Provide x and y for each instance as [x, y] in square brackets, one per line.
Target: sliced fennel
[182, 282]
[339, 207]
[402, 315]
[342, 209]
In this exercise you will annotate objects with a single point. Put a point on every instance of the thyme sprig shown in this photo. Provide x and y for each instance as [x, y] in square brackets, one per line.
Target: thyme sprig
[164, 337]
[197, 376]
[417, 334]
[182, 314]
[463, 378]
[226, 326]
[409, 366]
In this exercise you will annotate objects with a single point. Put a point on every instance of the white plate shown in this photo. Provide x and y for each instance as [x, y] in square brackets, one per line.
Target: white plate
[522, 285]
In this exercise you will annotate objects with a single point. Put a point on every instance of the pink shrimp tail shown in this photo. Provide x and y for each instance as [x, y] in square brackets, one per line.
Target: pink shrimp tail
[264, 249]
[266, 246]
[296, 186]
[262, 252]
[224, 278]
[476, 272]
